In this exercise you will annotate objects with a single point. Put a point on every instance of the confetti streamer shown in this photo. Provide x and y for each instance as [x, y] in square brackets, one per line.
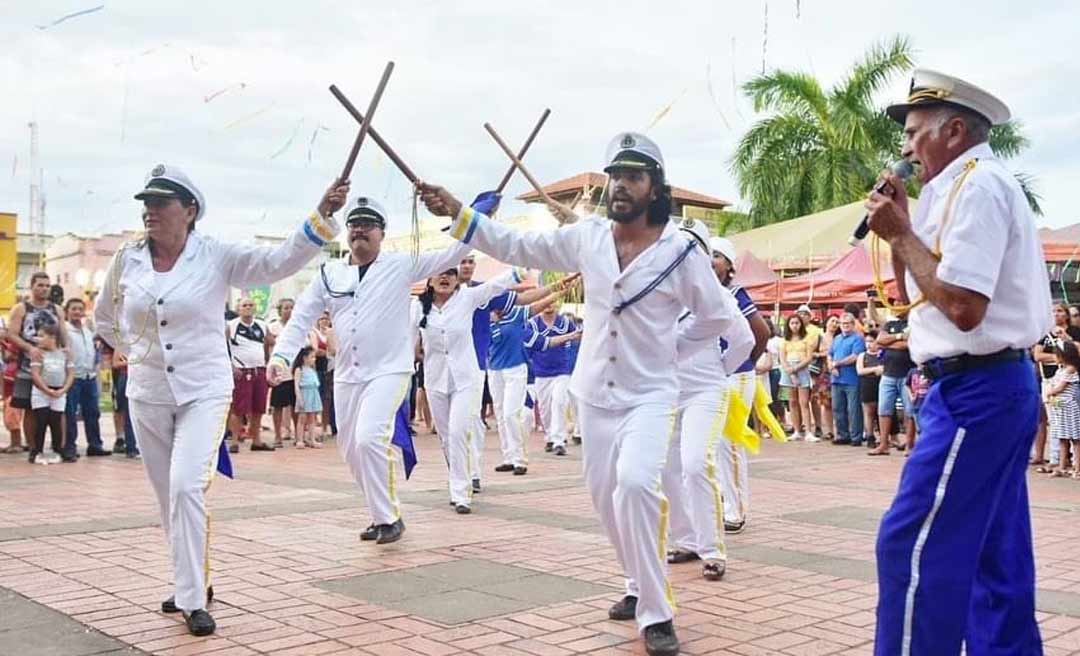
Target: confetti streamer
[311, 142]
[195, 62]
[70, 16]
[798, 9]
[292, 137]
[735, 83]
[664, 112]
[14, 165]
[712, 94]
[233, 87]
[765, 38]
[244, 119]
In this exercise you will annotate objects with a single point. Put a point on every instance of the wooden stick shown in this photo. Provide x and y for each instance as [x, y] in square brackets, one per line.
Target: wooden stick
[366, 124]
[562, 212]
[375, 136]
[524, 149]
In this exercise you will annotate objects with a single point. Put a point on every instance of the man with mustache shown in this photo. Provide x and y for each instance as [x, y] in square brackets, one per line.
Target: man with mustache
[639, 273]
[367, 293]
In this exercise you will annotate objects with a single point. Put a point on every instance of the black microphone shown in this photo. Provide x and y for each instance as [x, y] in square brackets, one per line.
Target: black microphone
[903, 170]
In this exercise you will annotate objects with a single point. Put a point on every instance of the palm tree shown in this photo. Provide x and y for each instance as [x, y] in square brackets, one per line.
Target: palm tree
[823, 148]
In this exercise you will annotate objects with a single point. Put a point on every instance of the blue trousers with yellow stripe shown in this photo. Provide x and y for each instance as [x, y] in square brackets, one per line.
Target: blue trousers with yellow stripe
[954, 552]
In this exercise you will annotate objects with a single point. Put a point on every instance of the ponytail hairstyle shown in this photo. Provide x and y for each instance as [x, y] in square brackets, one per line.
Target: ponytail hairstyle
[427, 299]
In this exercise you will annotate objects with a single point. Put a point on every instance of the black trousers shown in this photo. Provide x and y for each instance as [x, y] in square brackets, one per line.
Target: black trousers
[54, 421]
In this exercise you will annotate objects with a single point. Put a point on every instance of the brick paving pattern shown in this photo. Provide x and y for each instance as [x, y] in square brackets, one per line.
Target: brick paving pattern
[84, 564]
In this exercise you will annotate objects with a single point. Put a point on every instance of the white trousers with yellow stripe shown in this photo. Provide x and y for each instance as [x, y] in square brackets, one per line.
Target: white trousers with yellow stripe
[734, 461]
[179, 445]
[692, 477]
[624, 453]
[455, 419]
[554, 400]
[365, 417]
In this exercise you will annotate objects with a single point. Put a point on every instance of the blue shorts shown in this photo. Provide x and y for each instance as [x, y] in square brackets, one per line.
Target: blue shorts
[802, 378]
[889, 391]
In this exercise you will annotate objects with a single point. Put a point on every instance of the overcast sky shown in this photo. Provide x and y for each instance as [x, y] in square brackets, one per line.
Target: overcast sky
[117, 91]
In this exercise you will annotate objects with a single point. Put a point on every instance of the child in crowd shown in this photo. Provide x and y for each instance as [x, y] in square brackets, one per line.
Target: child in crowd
[1064, 405]
[308, 398]
[918, 388]
[52, 378]
[870, 365]
[13, 417]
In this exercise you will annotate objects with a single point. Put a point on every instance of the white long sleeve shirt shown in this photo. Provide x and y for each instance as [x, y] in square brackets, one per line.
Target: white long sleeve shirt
[707, 369]
[449, 356]
[172, 324]
[630, 357]
[991, 246]
[370, 318]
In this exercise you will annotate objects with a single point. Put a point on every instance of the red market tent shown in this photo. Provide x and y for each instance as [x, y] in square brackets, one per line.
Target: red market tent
[750, 271]
[845, 280]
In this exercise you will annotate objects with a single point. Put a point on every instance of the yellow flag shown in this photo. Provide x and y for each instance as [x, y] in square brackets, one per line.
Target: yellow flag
[765, 415]
[736, 428]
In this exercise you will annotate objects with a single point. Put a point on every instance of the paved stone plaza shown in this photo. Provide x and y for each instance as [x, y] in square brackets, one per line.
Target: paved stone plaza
[83, 565]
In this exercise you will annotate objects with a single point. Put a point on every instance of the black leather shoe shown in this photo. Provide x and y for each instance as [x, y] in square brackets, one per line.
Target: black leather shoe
[521, 471]
[263, 446]
[169, 605]
[734, 527]
[391, 532]
[68, 457]
[118, 447]
[505, 467]
[624, 609]
[462, 509]
[476, 485]
[549, 446]
[660, 639]
[94, 451]
[560, 450]
[681, 556]
[199, 623]
[577, 439]
[370, 533]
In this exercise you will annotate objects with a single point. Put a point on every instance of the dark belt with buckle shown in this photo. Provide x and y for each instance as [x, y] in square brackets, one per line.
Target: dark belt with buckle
[940, 367]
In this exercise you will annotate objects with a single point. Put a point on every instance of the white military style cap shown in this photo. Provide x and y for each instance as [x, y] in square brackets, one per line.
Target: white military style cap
[698, 230]
[367, 210]
[171, 182]
[633, 150]
[723, 246]
[934, 88]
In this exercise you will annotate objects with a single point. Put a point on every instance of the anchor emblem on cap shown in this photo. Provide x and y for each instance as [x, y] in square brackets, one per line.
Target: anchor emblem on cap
[158, 171]
[688, 222]
[628, 141]
[361, 202]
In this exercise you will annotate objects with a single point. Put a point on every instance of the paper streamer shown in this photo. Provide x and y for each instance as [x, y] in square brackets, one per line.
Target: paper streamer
[712, 94]
[14, 165]
[220, 92]
[292, 137]
[244, 119]
[664, 112]
[70, 16]
[765, 38]
[311, 142]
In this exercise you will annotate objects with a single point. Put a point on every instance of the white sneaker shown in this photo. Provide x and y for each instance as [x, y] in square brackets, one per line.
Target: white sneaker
[810, 438]
[40, 459]
[796, 437]
[54, 458]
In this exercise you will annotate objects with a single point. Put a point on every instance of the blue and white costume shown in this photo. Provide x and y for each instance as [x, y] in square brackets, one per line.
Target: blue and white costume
[552, 369]
[481, 336]
[507, 377]
[733, 461]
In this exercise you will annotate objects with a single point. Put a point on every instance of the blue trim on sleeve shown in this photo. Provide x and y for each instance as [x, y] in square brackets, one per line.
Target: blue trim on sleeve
[314, 238]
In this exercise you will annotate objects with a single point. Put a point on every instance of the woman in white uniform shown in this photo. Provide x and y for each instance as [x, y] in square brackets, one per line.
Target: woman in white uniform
[452, 375]
[161, 307]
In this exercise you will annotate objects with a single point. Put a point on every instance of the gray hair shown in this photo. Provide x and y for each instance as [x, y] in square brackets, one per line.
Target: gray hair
[976, 125]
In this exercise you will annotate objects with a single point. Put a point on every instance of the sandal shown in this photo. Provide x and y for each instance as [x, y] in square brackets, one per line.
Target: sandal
[314, 444]
[12, 449]
[1044, 469]
[1058, 473]
[875, 452]
[300, 444]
